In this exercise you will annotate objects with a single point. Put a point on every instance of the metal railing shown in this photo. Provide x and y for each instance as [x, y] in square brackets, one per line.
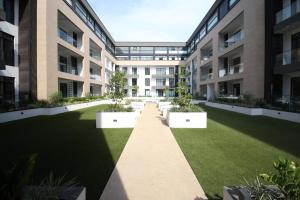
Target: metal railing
[288, 12]
[95, 77]
[236, 69]
[287, 103]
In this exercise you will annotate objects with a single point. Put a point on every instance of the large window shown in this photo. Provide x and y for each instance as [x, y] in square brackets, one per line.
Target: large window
[63, 64]
[212, 21]
[9, 9]
[134, 71]
[202, 32]
[161, 71]
[6, 50]
[172, 82]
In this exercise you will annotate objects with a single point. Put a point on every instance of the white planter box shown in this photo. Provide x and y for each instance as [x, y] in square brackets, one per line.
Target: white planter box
[116, 119]
[187, 120]
[243, 110]
[138, 105]
[165, 109]
[163, 104]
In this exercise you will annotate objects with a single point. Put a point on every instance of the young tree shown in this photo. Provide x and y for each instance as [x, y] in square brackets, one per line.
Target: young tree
[184, 97]
[116, 87]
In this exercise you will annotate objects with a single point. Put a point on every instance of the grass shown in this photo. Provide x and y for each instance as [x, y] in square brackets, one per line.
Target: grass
[66, 144]
[236, 146]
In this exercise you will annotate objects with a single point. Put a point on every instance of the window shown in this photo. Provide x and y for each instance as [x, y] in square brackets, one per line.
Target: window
[134, 82]
[172, 82]
[171, 70]
[9, 9]
[212, 21]
[80, 11]
[161, 50]
[147, 92]
[161, 71]
[147, 81]
[202, 32]
[147, 71]
[6, 50]
[122, 50]
[161, 82]
[124, 70]
[134, 71]
[63, 62]
[232, 2]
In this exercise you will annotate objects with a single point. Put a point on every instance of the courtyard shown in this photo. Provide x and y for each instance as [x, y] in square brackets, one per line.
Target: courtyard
[229, 150]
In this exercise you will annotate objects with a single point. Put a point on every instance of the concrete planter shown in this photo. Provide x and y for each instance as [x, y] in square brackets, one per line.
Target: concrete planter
[289, 116]
[187, 120]
[116, 119]
[242, 110]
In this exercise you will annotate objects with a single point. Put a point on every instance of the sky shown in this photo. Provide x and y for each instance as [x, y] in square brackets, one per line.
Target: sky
[151, 20]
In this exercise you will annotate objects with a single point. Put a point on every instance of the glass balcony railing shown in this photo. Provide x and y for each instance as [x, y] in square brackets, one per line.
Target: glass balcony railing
[206, 77]
[236, 69]
[237, 37]
[66, 37]
[288, 12]
[206, 58]
[96, 77]
[288, 57]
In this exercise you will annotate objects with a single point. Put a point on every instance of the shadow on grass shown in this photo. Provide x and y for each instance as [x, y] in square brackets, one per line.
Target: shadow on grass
[66, 144]
[281, 134]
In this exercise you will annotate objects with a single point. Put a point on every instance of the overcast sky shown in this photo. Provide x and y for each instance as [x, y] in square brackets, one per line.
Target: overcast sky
[151, 20]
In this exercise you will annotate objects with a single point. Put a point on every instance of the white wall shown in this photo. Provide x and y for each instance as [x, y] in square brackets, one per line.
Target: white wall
[142, 77]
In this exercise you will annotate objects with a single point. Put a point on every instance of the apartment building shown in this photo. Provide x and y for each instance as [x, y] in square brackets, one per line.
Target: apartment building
[283, 53]
[226, 51]
[151, 68]
[240, 47]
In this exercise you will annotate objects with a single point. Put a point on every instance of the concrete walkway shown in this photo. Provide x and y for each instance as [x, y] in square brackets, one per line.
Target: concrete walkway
[152, 165]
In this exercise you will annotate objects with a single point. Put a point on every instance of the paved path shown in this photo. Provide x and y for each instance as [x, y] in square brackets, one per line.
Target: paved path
[152, 165]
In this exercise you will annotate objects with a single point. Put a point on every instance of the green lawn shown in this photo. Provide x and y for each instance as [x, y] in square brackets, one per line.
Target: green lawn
[66, 144]
[236, 146]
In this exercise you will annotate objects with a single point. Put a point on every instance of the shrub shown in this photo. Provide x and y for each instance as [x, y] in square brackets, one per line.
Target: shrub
[117, 108]
[184, 98]
[56, 98]
[287, 178]
[258, 191]
[190, 108]
[116, 87]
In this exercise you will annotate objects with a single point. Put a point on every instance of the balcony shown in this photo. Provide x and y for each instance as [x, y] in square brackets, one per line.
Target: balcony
[69, 62]
[288, 61]
[95, 51]
[159, 87]
[206, 58]
[288, 12]
[231, 70]
[68, 32]
[132, 76]
[234, 39]
[206, 77]
[288, 57]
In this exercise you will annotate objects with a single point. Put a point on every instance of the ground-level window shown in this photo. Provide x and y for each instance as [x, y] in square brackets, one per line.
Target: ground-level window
[147, 92]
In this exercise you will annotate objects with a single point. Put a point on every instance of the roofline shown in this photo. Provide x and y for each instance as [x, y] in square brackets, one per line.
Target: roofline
[96, 17]
[206, 17]
[150, 44]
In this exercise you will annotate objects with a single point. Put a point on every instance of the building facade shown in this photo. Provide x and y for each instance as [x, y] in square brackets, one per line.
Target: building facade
[240, 47]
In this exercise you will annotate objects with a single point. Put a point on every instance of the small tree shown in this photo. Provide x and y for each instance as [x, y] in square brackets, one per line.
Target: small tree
[116, 87]
[184, 97]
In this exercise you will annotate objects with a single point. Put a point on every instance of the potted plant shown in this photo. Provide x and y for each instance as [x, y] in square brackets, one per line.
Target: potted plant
[184, 114]
[116, 115]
